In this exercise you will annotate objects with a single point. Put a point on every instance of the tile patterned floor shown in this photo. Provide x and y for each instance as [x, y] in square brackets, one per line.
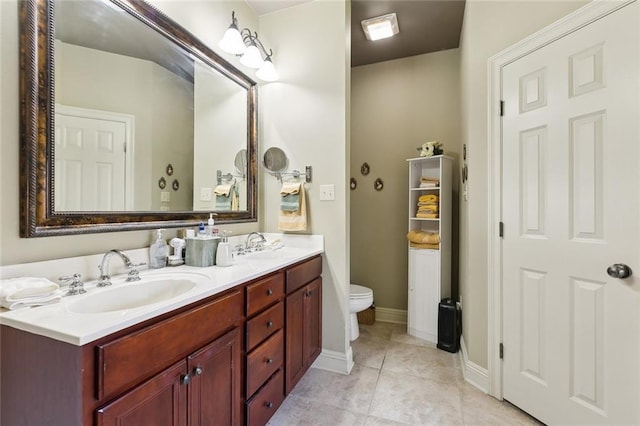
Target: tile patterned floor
[397, 380]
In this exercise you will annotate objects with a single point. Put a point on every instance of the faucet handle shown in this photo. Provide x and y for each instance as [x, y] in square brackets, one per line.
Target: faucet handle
[134, 274]
[76, 286]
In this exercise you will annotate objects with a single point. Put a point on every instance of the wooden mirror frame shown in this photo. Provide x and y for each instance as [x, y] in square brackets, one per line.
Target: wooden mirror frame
[38, 217]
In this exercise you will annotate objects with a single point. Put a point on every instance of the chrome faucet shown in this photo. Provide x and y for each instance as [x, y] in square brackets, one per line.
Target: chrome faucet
[105, 278]
[259, 244]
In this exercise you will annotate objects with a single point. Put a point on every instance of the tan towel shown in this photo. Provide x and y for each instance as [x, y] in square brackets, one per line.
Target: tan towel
[423, 215]
[431, 208]
[294, 220]
[428, 198]
[423, 237]
[425, 246]
[425, 179]
[223, 189]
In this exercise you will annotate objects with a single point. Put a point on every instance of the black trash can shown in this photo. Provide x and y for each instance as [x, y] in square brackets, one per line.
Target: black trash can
[448, 326]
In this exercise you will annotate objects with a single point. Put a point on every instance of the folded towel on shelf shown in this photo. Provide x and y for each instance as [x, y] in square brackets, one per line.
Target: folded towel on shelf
[423, 237]
[428, 206]
[423, 215]
[425, 246]
[290, 201]
[429, 179]
[22, 292]
[428, 198]
[294, 220]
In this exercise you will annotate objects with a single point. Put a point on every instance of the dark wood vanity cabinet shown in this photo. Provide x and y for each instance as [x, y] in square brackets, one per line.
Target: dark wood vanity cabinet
[304, 319]
[227, 360]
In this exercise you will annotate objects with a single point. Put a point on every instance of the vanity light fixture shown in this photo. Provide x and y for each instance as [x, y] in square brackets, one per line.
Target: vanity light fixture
[381, 27]
[252, 52]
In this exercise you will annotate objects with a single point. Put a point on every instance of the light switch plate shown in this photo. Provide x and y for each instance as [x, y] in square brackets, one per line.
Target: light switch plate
[327, 192]
[165, 196]
[205, 194]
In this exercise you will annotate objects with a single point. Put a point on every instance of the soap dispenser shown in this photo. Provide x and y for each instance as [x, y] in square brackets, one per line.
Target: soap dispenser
[158, 251]
[223, 254]
[210, 229]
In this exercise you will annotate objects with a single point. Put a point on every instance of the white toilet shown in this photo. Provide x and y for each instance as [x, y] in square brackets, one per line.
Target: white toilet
[360, 298]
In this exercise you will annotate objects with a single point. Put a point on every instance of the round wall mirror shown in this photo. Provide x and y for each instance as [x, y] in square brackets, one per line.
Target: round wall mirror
[240, 162]
[275, 160]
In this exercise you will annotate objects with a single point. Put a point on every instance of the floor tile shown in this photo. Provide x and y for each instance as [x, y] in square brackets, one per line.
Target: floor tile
[481, 409]
[353, 392]
[377, 421]
[422, 361]
[416, 400]
[301, 411]
[380, 330]
[369, 352]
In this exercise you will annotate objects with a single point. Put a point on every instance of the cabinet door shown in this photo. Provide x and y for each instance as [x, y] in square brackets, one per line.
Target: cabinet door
[214, 390]
[312, 321]
[160, 401]
[294, 360]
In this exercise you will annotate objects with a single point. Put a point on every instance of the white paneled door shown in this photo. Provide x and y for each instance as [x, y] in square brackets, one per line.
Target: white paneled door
[90, 159]
[571, 189]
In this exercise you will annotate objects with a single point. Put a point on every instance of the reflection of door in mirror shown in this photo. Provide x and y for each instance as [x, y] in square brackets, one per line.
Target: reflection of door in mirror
[93, 160]
[220, 134]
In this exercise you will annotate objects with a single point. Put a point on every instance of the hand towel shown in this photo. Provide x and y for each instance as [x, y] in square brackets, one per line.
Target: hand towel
[290, 201]
[224, 196]
[425, 246]
[429, 179]
[235, 199]
[428, 198]
[294, 220]
[22, 292]
[423, 237]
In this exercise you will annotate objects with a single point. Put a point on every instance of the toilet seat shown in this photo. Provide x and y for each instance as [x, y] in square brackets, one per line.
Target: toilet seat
[359, 292]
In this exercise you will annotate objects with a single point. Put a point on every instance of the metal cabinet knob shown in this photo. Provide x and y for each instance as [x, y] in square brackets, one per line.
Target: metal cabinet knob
[197, 371]
[268, 404]
[269, 361]
[619, 270]
[269, 324]
[269, 292]
[185, 379]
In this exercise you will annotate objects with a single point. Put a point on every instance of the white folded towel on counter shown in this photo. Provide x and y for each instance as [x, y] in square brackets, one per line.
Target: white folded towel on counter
[22, 292]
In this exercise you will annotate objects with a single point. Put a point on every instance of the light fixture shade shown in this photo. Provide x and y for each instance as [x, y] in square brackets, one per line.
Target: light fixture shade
[232, 41]
[381, 27]
[267, 71]
[252, 57]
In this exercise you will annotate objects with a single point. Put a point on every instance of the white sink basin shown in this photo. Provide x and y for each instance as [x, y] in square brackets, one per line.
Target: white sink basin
[133, 295]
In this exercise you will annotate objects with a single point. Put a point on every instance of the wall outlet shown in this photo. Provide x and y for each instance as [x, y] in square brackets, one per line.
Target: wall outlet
[327, 192]
[205, 194]
[165, 196]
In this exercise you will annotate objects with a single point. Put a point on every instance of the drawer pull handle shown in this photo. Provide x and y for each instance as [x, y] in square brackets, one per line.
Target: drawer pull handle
[269, 324]
[268, 404]
[197, 371]
[269, 292]
[309, 293]
[269, 360]
[185, 379]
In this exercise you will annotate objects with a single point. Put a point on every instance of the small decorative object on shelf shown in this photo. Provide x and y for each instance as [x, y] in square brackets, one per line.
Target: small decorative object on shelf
[378, 184]
[162, 183]
[365, 169]
[169, 170]
[175, 185]
[429, 149]
[353, 184]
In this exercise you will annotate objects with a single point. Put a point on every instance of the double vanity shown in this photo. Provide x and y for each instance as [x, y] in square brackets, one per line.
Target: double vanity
[182, 346]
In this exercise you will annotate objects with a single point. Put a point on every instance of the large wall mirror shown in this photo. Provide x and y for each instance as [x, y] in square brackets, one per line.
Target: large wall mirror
[129, 122]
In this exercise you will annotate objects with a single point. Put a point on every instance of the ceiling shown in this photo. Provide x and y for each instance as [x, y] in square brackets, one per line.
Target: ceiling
[425, 26]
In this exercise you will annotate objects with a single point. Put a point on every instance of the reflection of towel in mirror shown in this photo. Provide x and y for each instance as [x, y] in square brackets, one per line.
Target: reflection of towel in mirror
[293, 220]
[224, 196]
[290, 201]
[18, 293]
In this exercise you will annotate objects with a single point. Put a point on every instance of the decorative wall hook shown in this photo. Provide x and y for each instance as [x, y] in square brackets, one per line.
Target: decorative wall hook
[353, 184]
[364, 169]
[378, 184]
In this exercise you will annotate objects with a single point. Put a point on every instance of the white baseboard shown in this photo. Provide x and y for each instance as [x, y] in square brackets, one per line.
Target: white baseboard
[472, 372]
[337, 362]
[397, 316]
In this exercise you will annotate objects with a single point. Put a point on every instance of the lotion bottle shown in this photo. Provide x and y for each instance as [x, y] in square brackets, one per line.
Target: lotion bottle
[223, 254]
[158, 251]
[210, 229]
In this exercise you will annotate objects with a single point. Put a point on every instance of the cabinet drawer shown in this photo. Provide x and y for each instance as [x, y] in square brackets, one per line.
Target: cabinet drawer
[132, 358]
[265, 403]
[264, 293]
[264, 360]
[299, 275]
[264, 325]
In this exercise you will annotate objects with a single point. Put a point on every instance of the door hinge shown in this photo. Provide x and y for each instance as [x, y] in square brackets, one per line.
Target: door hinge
[501, 108]
[501, 351]
[124, 144]
[501, 229]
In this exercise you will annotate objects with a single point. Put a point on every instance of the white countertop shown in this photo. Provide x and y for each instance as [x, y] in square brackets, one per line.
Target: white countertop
[60, 322]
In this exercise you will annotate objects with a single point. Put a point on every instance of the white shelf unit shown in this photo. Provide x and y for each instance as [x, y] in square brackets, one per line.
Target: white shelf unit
[429, 270]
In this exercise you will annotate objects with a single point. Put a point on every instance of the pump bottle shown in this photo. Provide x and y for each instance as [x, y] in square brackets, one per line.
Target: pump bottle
[158, 251]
